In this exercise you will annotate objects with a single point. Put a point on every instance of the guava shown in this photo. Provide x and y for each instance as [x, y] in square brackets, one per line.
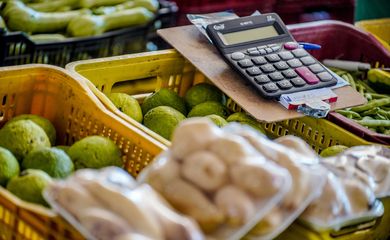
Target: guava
[44, 123]
[244, 118]
[217, 120]
[29, 185]
[53, 161]
[95, 152]
[203, 92]
[23, 136]
[209, 108]
[9, 166]
[164, 97]
[128, 105]
[163, 120]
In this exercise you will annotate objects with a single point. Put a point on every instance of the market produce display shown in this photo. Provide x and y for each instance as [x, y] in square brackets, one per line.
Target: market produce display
[58, 19]
[375, 115]
[164, 109]
[30, 160]
[202, 154]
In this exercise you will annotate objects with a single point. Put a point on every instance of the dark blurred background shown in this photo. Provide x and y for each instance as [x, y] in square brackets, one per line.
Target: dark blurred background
[291, 11]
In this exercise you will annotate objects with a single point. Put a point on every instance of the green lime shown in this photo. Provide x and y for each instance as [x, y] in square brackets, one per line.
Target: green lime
[29, 185]
[164, 97]
[9, 166]
[203, 92]
[333, 150]
[53, 161]
[218, 120]
[128, 105]
[95, 152]
[163, 120]
[22, 136]
[209, 108]
[44, 123]
[244, 118]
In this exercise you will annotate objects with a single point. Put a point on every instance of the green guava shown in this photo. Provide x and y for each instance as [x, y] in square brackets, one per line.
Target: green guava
[164, 97]
[128, 105]
[9, 166]
[163, 120]
[29, 185]
[44, 123]
[95, 152]
[23, 136]
[53, 161]
[209, 108]
[203, 92]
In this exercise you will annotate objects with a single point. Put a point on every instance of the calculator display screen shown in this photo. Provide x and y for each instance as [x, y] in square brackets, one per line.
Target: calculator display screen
[248, 35]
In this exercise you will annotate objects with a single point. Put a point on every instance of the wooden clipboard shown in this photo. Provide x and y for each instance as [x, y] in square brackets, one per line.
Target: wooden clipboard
[204, 56]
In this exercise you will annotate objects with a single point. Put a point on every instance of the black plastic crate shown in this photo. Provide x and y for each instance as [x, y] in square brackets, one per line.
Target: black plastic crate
[16, 47]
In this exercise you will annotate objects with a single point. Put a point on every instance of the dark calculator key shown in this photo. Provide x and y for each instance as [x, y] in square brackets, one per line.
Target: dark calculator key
[254, 53]
[270, 87]
[299, 52]
[269, 50]
[262, 51]
[316, 68]
[275, 48]
[276, 76]
[237, 56]
[251, 49]
[325, 76]
[281, 65]
[245, 63]
[285, 84]
[298, 82]
[262, 79]
[267, 68]
[259, 60]
[308, 60]
[294, 63]
[289, 73]
[272, 58]
[253, 71]
[286, 55]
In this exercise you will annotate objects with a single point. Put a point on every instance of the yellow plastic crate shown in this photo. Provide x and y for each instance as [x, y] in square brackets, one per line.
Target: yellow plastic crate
[380, 28]
[76, 113]
[141, 74]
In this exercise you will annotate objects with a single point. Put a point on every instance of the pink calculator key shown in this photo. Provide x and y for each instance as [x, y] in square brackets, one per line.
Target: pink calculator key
[307, 75]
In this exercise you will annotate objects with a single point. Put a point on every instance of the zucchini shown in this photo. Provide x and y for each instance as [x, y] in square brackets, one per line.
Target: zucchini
[88, 25]
[19, 17]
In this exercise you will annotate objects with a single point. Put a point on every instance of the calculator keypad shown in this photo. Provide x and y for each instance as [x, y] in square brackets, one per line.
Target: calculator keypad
[267, 68]
[281, 65]
[253, 71]
[259, 60]
[245, 63]
[276, 69]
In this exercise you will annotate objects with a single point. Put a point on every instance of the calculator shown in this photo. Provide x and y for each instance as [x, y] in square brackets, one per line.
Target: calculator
[263, 52]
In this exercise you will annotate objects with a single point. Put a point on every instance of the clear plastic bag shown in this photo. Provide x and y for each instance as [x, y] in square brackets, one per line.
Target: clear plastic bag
[219, 179]
[369, 164]
[343, 202]
[106, 204]
[308, 178]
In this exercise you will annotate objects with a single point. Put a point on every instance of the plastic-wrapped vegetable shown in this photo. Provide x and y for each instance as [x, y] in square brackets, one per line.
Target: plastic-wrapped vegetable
[217, 178]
